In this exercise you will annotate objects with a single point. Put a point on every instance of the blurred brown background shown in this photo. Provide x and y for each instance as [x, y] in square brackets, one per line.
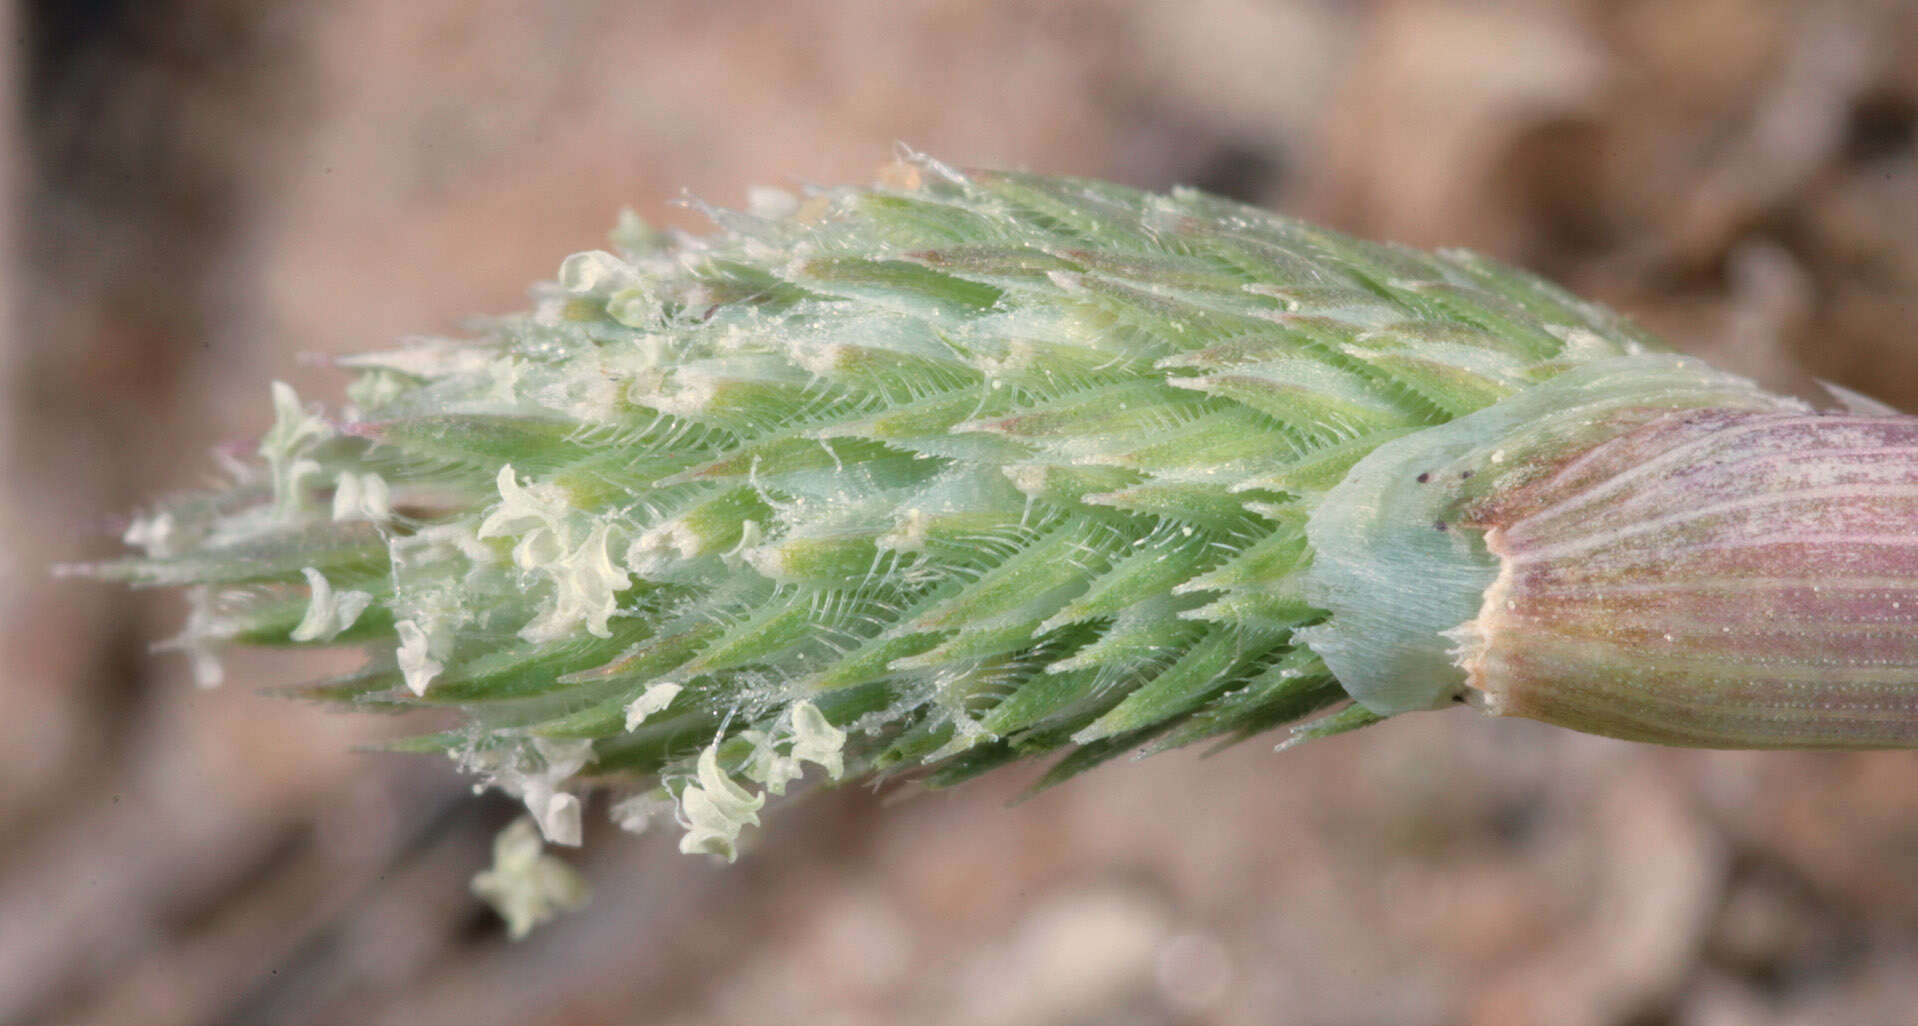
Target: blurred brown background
[204, 191]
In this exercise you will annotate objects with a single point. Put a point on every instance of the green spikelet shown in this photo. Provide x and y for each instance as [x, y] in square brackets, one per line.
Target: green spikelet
[920, 478]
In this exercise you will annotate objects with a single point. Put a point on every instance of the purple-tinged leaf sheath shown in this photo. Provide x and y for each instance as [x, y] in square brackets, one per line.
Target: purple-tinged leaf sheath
[1712, 578]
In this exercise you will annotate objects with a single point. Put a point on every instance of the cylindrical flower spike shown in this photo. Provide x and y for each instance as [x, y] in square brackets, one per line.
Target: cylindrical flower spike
[965, 468]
